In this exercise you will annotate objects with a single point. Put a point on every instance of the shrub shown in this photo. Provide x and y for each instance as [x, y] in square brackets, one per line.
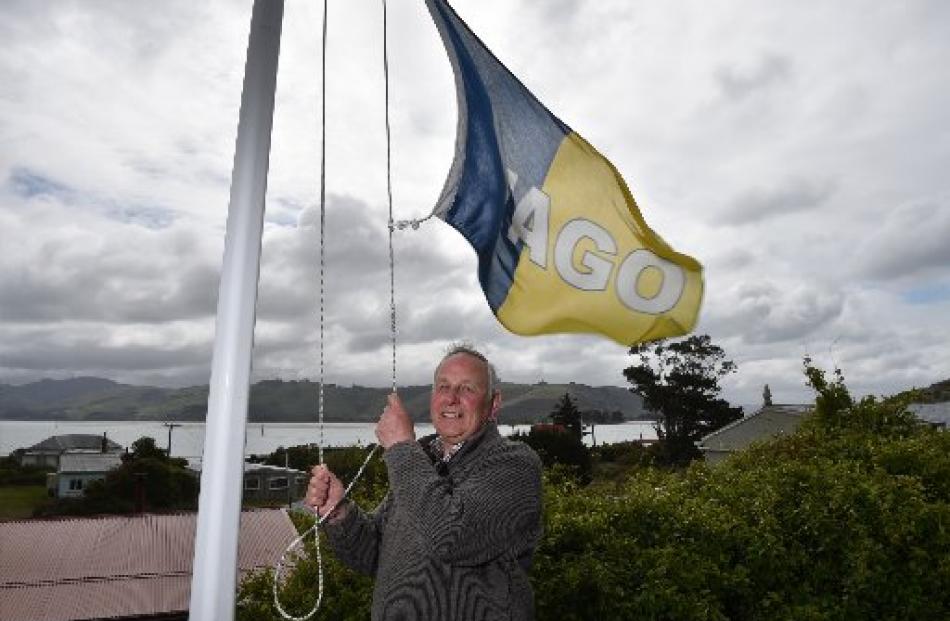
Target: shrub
[846, 519]
[559, 448]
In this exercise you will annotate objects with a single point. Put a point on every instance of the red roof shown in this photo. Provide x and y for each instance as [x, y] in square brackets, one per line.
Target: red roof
[117, 566]
[548, 427]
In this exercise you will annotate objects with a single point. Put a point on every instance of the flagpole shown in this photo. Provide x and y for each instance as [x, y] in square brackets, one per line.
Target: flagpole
[214, 577]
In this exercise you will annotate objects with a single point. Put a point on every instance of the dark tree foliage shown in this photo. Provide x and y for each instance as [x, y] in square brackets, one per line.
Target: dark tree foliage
[567, 415]
[145, 448]
[12, 473]
[602, 417]
[679, 380]
[560, 449]
[766, 396]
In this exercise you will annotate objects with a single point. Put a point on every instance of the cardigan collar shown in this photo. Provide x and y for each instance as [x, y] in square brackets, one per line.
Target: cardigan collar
[433, 444]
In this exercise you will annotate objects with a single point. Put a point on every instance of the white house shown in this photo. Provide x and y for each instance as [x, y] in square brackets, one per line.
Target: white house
[77, 470]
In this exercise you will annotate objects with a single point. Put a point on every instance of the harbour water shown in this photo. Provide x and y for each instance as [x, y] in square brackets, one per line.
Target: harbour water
[187, 438]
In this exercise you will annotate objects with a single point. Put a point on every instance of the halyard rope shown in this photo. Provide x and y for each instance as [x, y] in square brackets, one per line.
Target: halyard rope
[391, 225]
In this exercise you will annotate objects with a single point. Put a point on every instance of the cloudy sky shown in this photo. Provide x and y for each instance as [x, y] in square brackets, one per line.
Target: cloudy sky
[799, 150]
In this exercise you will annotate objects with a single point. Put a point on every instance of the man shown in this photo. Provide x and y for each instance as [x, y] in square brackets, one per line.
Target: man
[454, 536]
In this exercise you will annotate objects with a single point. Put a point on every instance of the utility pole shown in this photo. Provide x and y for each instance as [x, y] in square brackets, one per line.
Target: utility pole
[291, 481]
[170, 427]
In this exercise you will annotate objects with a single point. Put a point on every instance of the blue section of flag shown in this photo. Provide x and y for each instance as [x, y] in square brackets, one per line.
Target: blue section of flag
[503, 127]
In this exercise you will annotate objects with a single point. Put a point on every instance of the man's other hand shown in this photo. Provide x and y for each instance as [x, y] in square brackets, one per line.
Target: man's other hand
[394, 425]
[325, 490]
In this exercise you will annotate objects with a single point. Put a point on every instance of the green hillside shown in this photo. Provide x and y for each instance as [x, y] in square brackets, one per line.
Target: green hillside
[283, 401]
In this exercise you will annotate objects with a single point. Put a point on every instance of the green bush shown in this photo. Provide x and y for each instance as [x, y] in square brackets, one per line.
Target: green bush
[12, 473]
[770, 539]
[849, 518]
[560, 448]
[347, 594]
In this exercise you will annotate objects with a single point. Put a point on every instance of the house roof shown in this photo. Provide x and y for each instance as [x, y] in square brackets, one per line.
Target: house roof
[118, 566]
[937, 413]
[194, 464]
[89, 462]
[768, 422]
[73, 442]
[251, 468]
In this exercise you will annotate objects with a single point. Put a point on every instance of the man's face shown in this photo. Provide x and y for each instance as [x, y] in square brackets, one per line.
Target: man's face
[460, 405]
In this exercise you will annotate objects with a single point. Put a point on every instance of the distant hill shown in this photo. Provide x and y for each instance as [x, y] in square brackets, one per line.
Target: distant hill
[938, 392]
[91, 398]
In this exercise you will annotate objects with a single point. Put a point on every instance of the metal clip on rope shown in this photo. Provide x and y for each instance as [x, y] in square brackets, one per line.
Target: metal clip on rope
[404, 224]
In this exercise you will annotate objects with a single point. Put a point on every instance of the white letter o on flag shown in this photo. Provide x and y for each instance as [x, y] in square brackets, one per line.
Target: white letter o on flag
[674, 281]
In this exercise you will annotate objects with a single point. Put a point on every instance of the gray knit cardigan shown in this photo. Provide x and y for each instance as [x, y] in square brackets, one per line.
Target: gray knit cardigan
[451, 541]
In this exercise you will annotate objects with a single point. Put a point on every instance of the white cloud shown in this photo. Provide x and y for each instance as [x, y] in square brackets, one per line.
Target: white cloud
[818, 127]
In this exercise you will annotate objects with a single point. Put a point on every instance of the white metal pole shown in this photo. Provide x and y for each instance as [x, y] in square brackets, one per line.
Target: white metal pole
[214, 577]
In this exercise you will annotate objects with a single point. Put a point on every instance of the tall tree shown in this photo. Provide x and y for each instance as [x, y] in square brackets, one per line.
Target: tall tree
[766, 396]
[679, 381]
[567, 415]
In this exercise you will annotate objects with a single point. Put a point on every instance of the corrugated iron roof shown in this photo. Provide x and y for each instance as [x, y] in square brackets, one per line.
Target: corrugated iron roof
[194, 463]
[768, 422]
[74, 441]
[251, 467]
[937, 413]
[89, 462]
[116, 566]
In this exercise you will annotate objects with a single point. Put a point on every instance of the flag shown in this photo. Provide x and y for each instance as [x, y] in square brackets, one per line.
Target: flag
[561, 244]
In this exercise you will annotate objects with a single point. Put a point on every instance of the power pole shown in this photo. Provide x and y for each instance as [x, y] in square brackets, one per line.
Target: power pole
[291, 481]
[170, 427]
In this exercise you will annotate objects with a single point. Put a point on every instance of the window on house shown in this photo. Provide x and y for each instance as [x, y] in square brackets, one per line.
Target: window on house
[278, 483]
[75, 485]
[252, 483]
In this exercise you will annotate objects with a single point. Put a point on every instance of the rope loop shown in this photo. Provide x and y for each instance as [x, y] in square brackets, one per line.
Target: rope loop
[279, 567]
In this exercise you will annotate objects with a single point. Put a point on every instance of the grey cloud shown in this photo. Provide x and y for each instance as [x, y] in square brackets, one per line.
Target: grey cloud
[762, 312]
[911, 241]
[38, 296]
[87, 348]
[561, 11]
[356, 260]
[62, 264]
[789, 196]
[738, 82]
[432, 294]
[448, 321]
[732, 259]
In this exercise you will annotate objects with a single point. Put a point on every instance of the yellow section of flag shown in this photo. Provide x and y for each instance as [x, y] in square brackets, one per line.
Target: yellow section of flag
[590, 263]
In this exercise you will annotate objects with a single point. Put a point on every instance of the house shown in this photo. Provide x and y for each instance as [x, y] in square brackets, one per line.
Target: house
[769, 422]
[118, 567]
[77, 470]
[265, 483]
[48, 452]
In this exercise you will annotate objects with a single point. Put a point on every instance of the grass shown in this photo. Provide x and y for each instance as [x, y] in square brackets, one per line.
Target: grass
[18, 501]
